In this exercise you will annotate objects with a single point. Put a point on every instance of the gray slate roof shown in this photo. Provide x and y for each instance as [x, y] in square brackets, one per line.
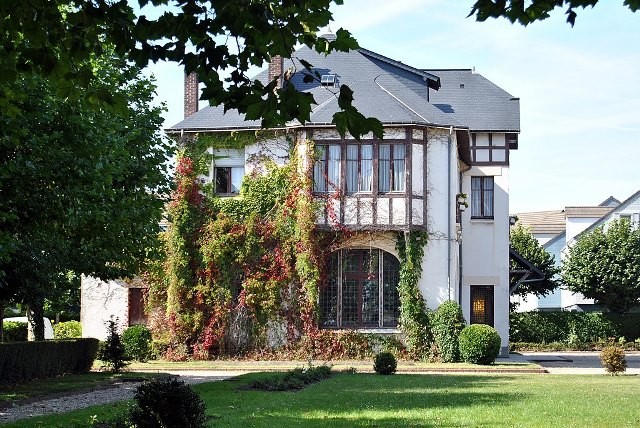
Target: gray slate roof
[389, 90]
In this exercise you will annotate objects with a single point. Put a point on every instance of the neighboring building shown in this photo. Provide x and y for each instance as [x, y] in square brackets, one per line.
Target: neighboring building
[448, 136]
[556, 231]
[101, 301]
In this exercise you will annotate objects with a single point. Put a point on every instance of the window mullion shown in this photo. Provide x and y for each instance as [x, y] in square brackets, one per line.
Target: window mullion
[481, 197]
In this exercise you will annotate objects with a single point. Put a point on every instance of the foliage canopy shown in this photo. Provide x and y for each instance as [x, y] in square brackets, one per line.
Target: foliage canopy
[528, 12]
[213, 39]
[605, 265]
[528, 246]
[82, 187]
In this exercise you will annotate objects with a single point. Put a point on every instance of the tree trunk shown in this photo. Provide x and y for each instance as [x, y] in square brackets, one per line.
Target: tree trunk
[35, 315]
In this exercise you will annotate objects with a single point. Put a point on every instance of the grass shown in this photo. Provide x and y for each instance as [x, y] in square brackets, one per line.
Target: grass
[367, 400]
[39, 387]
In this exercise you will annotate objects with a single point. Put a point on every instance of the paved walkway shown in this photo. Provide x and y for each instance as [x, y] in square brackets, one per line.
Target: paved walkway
[578, 362]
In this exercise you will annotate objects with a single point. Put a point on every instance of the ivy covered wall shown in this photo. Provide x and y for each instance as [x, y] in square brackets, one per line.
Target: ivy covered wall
[242, 274]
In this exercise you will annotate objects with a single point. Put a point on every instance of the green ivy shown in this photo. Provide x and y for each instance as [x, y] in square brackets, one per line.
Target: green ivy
[414, 319]
[235, 265]
[448, 322]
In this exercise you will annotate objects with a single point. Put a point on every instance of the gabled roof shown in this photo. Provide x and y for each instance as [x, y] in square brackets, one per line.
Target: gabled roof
[389, 90]
[543, 222]
[601, 222]
[610, 202]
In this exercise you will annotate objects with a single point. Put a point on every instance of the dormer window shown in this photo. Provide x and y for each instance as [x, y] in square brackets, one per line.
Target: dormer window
[328, 80]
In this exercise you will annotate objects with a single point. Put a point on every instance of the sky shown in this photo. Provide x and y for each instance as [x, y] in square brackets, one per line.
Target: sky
[579, 87]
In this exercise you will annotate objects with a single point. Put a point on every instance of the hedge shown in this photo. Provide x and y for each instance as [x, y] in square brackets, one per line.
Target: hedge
[572, 327]
[21, 361]
[15, 331]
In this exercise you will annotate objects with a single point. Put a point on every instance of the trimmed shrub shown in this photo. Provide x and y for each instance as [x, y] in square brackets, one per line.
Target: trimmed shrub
[111, 352]
[67, 330]
[539, 327]
[479, 344]
[293, 379]
[21, 361]
[385, 363]
[15, 331]
[592, 327]
[447, 322]
[167, 402]
[627, 325]
[572, 327]
[137, 342]
[613, 360]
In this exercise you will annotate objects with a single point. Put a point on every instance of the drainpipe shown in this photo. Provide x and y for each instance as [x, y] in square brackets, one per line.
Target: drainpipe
[460, 178]
[449, 211]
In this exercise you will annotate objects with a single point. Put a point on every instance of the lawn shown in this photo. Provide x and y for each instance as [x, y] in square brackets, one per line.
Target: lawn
[348, 400]
[433, 400]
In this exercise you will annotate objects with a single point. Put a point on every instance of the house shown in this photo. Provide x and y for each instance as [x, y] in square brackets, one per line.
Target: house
[442, 167]
[118, 300]
[557, 230]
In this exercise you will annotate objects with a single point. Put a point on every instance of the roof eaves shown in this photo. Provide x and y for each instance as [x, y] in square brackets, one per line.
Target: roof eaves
[432, 80]
[553, 240]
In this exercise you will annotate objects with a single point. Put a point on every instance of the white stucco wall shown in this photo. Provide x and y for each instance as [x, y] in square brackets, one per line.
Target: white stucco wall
[485, 248]
[575, 225]
[99, 301]
[440, 268]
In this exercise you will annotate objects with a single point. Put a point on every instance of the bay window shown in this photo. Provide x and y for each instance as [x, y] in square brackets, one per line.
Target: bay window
[391, 168]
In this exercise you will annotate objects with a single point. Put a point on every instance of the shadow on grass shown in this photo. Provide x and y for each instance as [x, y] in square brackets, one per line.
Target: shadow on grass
[356, 400]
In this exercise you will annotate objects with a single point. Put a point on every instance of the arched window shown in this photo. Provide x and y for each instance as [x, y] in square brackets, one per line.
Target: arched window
[361, 290]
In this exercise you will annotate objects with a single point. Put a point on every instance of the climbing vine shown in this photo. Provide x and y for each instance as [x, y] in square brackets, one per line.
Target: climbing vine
[236, 267]
[414, 319]
[242, 275]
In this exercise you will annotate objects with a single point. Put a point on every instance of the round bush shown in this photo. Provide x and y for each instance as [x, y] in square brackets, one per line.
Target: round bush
[167, 402]
[479, 344]
[137, 342]
[385, 363]
[613, 359]
[67, 330]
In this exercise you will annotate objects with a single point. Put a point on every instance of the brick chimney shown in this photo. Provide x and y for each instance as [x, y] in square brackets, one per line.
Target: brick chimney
[191, 94]
[275, 70]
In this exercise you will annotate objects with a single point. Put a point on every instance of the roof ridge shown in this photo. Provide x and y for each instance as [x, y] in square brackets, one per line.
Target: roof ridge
[432, 80]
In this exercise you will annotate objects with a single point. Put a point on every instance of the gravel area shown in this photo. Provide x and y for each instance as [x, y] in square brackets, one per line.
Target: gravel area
[119, 392]
[68, 403]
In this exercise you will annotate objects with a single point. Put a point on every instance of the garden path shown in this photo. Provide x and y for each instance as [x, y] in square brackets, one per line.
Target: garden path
[122, 391]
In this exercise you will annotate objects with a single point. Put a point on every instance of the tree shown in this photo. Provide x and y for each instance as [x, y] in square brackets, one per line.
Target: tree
[528, 246]
[605, 265]
[209, 38]
[81, 186]
[534, 10]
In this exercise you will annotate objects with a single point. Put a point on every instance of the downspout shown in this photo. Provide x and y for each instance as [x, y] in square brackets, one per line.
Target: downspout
[449, 211]
[460, 264]
[460, 248]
